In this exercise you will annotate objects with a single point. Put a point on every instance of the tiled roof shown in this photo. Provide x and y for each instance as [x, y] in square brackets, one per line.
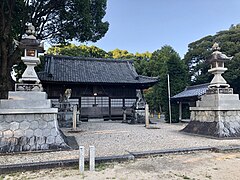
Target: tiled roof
[91, 70]
[192, 91]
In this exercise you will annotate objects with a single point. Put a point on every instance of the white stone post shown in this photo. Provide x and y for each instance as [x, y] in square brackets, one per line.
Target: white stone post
[74, 118]
[91, 158]
[81, 159]
[146, 115]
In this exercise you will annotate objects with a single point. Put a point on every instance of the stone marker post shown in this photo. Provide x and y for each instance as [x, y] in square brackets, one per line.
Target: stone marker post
[81, 159]
[92, 158]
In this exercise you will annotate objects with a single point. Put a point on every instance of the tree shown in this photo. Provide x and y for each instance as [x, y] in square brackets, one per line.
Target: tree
[10, 28]
[120, 54]
[82, 50]
[58, 20]
[141, 63]
[199, 51]
[167, 61]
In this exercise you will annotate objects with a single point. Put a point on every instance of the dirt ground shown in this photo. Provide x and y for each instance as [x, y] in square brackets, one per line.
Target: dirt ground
[198, 165]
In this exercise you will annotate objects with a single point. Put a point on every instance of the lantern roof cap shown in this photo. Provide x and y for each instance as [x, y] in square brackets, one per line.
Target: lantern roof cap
[29, 40]
[217, 55]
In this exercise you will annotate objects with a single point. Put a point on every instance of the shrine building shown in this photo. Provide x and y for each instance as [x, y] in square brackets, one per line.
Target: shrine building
[101, 87]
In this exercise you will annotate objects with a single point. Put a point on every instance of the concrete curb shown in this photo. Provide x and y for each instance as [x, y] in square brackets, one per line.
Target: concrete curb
[170, 151]
[4, 169]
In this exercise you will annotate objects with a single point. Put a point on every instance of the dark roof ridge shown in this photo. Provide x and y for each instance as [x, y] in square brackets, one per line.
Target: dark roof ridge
[197, 86]
[147, 77]
[133, 72]
[194, 91]
[86, 70]
[89, 58]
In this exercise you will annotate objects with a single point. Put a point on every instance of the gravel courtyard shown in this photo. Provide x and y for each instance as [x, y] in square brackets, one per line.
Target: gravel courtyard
[116, 138]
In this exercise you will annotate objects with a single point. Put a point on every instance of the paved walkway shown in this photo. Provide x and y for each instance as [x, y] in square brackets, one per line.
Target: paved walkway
[116, 138]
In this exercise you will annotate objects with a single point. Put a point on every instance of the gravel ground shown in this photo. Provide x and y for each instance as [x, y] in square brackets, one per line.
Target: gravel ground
[116, 138]
[197, 165]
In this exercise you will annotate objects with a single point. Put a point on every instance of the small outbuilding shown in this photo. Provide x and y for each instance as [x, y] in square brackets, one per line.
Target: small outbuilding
[188, 98]
[102, 87]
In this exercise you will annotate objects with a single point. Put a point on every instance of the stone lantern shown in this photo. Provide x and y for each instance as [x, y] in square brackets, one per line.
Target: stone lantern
[217, 113]
[31, 47]
[27, 120]
[216, 61]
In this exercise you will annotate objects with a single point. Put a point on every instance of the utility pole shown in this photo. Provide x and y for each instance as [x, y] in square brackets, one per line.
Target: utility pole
[169, 99]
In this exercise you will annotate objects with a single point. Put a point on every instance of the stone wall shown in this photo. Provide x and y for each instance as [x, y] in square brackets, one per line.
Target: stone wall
[223, 115]
[216, 123]
[24, 132]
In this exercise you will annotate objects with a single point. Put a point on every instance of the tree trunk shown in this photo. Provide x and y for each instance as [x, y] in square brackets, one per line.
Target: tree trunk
[4, 56]
[6, 82]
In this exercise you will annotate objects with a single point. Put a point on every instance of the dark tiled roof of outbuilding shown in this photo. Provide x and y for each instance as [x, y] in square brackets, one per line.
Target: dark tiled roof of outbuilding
[192, 91]
[91, 70]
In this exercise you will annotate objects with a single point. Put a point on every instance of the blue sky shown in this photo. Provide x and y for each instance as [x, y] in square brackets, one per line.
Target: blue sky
[147, 25]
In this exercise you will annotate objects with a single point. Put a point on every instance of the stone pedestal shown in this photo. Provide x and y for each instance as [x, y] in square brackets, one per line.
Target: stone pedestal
[28, 123]
[216, 115]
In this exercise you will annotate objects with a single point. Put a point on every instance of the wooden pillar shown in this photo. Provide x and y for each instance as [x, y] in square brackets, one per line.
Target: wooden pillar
[79, 106]
[123, 102]
[180, 111]
[109, 108]
[147, 115]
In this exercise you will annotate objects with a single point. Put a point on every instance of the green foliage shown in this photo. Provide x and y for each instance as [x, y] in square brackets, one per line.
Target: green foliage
[166, 61]
[233, 74]
[82, 50]
[120, 54]
[199, 51]
[70, 19]
[60, 21]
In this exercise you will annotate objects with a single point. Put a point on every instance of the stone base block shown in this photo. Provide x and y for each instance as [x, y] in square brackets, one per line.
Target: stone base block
[27, 95]
[226, 101]
[216, 123]
[30, 132]
[26, 104]
[25, 100]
